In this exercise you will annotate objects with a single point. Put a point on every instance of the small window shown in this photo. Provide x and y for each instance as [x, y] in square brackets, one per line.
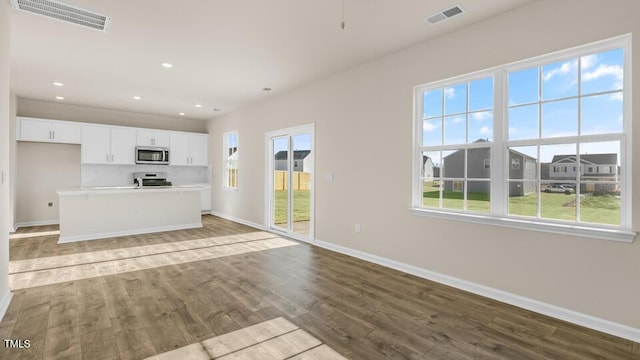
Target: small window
[458, 186]
[515, 163]
[230, 160]
[487, 163]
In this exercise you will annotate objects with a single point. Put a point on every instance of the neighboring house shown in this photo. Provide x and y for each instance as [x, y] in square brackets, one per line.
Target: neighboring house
[521, 166]
[427, 168]
[301, 161]
[593, 168]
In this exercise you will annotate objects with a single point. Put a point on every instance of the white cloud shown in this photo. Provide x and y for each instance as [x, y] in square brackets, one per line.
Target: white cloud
[562, 70]
[607, 70]
[450, 93]
[513, 130]
[485, 130]
[616, 96]
[589, 61]
[481, 116]
[458, 119]
[429, 126]
[603, 70]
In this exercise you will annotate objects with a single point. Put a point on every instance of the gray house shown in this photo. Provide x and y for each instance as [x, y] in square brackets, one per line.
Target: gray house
[593, 168]
[301, 160]
[521, 166]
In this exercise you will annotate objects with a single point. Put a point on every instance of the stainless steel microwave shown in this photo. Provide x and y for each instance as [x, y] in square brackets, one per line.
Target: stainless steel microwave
[152, 155]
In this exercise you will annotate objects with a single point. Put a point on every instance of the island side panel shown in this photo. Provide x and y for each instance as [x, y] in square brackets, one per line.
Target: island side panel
[101, 214]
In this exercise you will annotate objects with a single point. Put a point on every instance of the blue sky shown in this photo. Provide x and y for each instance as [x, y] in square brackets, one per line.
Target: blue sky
[553, 116]
[300, 142]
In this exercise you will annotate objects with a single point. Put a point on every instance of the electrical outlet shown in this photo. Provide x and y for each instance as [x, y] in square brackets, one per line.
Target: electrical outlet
[358, 229]
[50, 204]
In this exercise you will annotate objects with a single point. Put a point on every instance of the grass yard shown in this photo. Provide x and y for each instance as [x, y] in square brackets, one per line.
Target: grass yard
[600, 209]
[301, 206]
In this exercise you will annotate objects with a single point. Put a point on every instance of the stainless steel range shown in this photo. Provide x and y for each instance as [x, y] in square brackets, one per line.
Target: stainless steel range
[144, 179]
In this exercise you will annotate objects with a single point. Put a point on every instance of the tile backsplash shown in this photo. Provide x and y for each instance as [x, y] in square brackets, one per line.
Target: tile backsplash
[121, 175]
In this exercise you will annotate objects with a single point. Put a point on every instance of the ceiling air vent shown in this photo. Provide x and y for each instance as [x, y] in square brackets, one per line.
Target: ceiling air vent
[444, 15]
[63, 12]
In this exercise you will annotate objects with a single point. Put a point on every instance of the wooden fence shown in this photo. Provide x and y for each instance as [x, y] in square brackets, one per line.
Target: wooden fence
[301, 180]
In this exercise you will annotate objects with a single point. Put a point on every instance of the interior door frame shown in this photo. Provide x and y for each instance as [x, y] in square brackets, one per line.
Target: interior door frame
[289, 132]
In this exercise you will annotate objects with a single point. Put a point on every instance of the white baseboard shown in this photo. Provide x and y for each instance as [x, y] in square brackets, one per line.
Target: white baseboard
[35, 223]
[4, 303]
[74, 238]
[238, 220]
[571, 316]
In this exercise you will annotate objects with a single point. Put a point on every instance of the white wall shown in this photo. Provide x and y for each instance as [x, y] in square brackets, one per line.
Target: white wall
[367, 112]
[68, 112]
[5, 293]
[43, 169]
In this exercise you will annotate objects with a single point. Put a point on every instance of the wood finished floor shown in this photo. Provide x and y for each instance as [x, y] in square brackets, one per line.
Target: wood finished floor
[359, 309]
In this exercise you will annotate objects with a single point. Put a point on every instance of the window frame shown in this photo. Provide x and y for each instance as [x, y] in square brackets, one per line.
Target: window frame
[226, 162]
[499, 147]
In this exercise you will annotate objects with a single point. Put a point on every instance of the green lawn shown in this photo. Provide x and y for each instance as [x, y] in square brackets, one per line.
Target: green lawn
[599, 209]
[301, 206]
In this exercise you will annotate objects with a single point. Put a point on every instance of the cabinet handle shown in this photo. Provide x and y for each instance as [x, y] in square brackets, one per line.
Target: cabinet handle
[111, 157]
[107, 157]
[53, 135]
[50, 136]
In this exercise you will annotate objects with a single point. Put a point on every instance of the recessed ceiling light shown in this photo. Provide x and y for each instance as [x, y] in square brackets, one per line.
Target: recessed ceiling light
[217, 109]
[137, 98]
[198, 105]
[167, 65]
[266, 89]
[55, 83]
[181, 114]
[59, 97]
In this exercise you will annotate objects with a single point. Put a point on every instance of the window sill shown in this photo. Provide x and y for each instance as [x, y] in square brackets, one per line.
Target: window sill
[535, 225]
[230, 189]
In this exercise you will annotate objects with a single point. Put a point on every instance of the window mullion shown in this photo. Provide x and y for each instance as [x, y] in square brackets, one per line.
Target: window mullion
[498, 149]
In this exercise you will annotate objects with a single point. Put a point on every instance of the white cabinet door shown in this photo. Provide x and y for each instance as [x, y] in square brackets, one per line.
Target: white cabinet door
[152, 138]
[179, 151]
[48, 131]
[96, 144]
[205, 199]
[198, 145]
[123, 146]
[63, 132]
[34, 130]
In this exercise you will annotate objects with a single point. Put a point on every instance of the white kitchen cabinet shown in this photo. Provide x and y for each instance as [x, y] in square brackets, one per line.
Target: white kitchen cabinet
[198, 148]
[152, 138]
[189, 149]
[205, 200]
[123, 146]
[108, 145]
[41, 130]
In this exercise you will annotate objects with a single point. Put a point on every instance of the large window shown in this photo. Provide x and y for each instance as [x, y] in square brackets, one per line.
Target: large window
[230, 159]
[544, 142]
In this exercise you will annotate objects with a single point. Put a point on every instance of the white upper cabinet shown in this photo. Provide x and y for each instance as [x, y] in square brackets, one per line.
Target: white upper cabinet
[123, 146]
[152, 138]
[108, 145]
[41, 130]
[96, 144]
[179, 151]
[189, 149]
[198, 146]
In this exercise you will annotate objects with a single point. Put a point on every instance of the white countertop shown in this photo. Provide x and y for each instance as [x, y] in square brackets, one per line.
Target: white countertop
[130, 189]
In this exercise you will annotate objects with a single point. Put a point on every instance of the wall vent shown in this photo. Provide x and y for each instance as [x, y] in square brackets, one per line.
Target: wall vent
[64, 12]
[444, 15]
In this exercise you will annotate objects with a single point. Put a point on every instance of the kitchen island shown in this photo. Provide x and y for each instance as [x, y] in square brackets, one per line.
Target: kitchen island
[98, 213]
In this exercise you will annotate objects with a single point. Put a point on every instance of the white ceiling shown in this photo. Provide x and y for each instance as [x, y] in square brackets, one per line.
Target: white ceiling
[224, 51]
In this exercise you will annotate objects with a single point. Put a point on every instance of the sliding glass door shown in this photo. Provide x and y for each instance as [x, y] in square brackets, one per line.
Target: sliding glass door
[290, 179]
